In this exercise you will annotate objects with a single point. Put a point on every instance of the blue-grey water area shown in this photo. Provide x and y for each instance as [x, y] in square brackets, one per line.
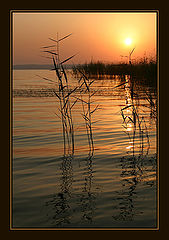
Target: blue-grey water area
[115, 188]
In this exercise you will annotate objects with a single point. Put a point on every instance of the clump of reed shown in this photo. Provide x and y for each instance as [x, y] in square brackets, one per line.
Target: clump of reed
[65, 96]
[85, 90]
[143, 70]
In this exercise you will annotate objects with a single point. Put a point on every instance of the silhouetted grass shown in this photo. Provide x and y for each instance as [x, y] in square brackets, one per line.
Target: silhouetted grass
[86, 106]
[64, 95]
[144, 72]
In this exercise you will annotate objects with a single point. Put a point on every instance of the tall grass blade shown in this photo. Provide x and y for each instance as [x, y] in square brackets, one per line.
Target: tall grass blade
[71, 92]
[74, 103]
[51, 52]
[120, 85]
[53, 40]
[45, 79]
[63, 70]
[64, 37]
[85, 117]
[56, 95]
[132, 51]
[65, 103]
[80, 99]
[131, 120]
[57, 72]
[127, 107]
[96, 108]
[48, 46]
[93, 93]
[57, 115]
[67, 59]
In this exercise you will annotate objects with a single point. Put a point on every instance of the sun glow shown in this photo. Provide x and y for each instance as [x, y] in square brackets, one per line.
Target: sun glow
[128, 41]
[104, 36]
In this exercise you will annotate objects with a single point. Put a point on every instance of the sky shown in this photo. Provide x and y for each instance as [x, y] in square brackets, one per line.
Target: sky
[107, 36]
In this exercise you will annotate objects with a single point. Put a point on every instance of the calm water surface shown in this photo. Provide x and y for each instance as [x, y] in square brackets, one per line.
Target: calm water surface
[115, 189]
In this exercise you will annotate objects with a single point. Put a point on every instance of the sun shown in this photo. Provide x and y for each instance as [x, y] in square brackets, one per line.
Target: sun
[128, 41]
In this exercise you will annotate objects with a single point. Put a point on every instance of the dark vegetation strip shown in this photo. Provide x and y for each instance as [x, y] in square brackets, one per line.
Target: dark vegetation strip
[144, 72]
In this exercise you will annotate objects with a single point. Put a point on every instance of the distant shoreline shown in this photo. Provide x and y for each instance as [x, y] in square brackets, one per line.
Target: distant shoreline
[36, 66]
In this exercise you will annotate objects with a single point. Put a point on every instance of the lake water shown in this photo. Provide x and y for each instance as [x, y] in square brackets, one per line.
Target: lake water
[116, 188]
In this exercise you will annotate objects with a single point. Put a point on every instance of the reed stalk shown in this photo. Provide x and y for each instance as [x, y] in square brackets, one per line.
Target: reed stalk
[63, 95]
[84, 81]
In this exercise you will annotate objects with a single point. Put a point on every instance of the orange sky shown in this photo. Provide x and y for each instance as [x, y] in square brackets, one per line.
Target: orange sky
[100, 36]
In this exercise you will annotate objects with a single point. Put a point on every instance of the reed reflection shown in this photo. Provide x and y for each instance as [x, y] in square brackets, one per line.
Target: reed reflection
[65, 203]
[135, 170]
[133, 119]
[136, 161]
[61, 209]
[88, 197]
